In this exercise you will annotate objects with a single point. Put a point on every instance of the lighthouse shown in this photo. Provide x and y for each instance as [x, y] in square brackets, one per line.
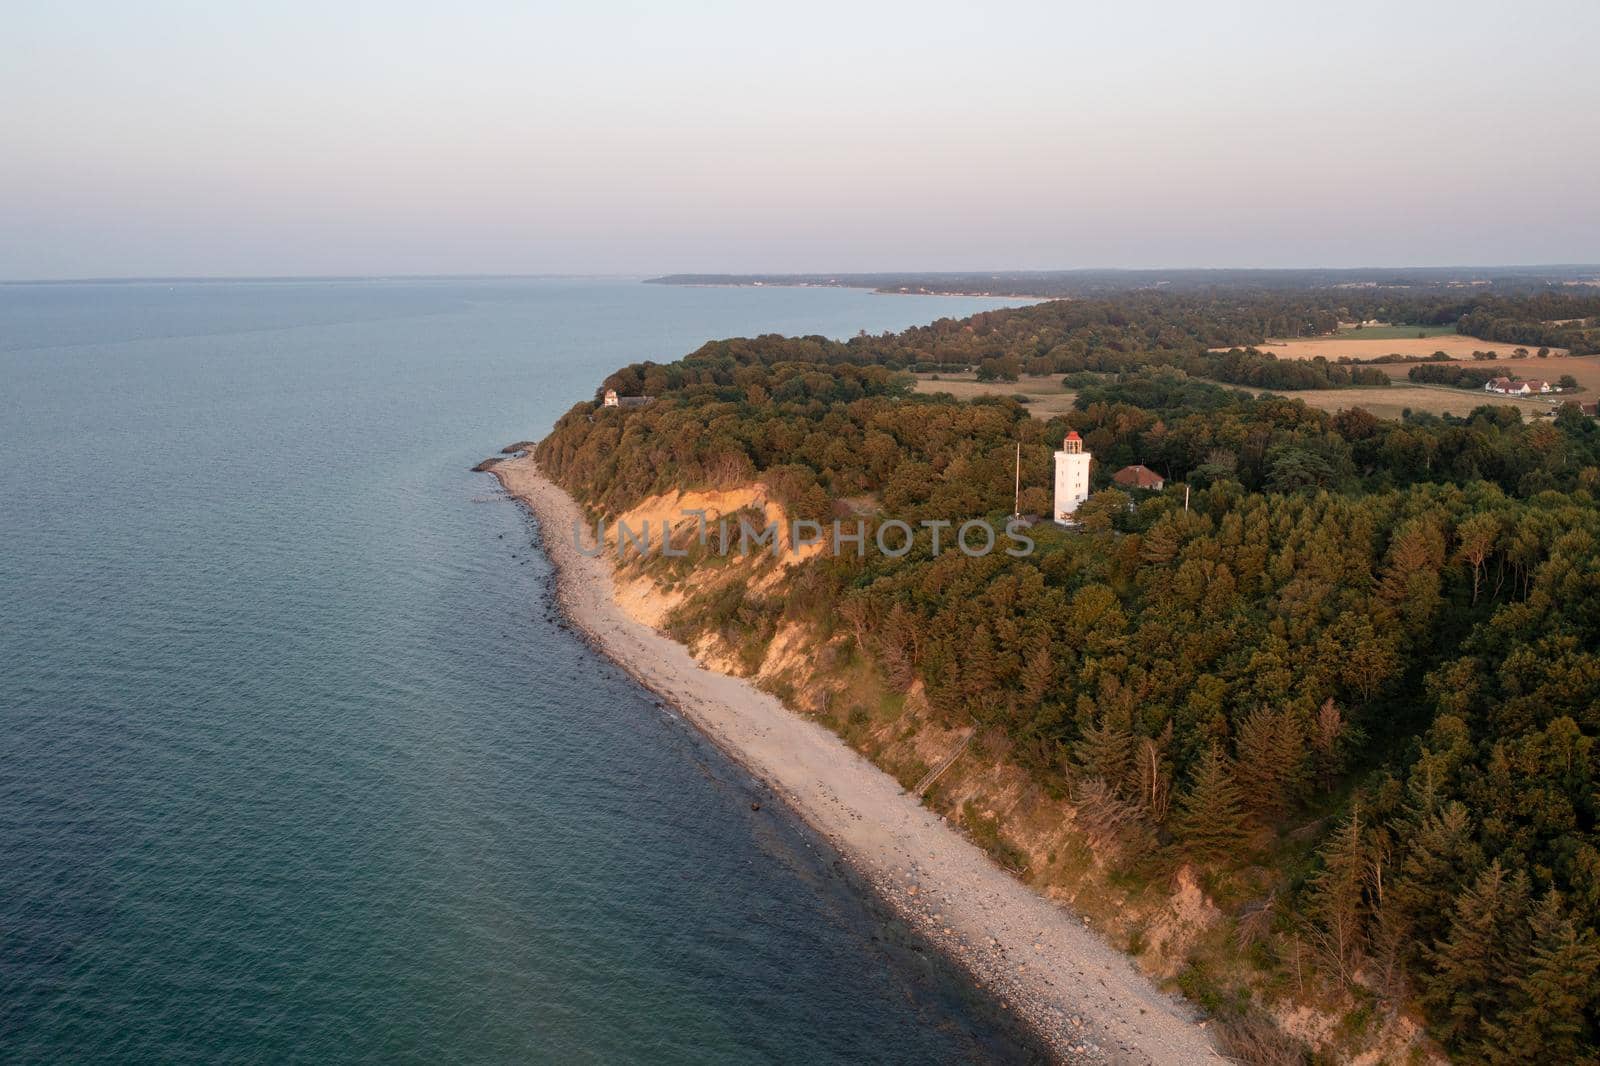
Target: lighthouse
[1072, 477]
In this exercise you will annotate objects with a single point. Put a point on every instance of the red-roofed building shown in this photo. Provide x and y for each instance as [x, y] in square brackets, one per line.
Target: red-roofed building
[1139, 477]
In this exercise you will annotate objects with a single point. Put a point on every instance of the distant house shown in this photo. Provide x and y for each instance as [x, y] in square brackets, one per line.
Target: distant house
[1497, 385]
[1535, 385]
[1139, 477]
[613, 400]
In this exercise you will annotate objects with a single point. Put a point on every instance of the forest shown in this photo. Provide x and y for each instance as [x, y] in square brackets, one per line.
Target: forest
[1206, 334]
[1361, 655]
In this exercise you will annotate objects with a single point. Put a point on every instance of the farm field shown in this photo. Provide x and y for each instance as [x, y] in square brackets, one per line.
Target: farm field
[1441, 399]
[1373, 333]
[1586, 368]
[1395, 400]
[1046, 395]
[1360, 346]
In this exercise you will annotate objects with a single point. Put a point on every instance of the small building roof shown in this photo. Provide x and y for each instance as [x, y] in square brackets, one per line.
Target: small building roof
[1139, 476]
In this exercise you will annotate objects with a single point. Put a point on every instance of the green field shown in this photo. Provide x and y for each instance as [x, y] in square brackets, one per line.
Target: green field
[1394, 333]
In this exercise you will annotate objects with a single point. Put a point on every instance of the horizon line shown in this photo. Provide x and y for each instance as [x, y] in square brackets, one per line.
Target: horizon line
[113, 279]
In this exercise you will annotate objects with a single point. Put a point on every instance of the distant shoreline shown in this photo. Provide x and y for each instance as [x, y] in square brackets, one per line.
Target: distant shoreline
[1083, 999]
[858, 288]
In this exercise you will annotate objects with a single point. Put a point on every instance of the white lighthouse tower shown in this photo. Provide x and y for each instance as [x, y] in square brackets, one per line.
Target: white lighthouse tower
[1072, 477]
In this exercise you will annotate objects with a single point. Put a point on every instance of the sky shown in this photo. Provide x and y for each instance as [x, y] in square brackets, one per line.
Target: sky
[166, 138]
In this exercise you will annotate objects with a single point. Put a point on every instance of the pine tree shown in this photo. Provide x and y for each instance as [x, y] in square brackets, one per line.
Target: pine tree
[978, 667]
[1476, 963]
[1439, 854]
[1554, 996]
[1329, 739]
[1106, 749]
[1337, 904]
[1211, 813]
[1038, 677]
[1272, 755]
[1161, 543]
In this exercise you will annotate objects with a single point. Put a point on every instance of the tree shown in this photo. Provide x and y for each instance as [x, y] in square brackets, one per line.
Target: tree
[1211, 813]
[1439, 855]
[1329, 738]
[1337, 901]
[1155, 775]
[1271, 756]
[1039, 676]
[1106, 749]
[1293, 467]
[1478, 535]
[1556, 993]
[1473, 964]
[1100, 511]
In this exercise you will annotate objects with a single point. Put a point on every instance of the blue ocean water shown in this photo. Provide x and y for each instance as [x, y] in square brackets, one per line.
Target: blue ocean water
[297, 762]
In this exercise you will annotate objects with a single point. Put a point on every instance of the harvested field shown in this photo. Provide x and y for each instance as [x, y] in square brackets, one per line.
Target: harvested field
[1046, 395]
[1393, 401]
[1586, 368]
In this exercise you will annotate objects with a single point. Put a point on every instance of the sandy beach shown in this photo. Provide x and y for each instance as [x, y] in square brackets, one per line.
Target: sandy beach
[1085, 999]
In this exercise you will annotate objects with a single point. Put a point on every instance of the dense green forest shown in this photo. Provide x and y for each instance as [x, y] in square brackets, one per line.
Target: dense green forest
[1365, 656]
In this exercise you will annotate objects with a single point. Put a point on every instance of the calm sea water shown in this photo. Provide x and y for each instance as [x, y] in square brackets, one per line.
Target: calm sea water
[296, 762]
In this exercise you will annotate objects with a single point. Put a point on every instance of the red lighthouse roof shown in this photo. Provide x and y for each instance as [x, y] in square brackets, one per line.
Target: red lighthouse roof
[1072, 434]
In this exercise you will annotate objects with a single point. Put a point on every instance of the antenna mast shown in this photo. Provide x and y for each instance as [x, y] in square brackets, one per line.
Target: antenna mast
[1016, 498]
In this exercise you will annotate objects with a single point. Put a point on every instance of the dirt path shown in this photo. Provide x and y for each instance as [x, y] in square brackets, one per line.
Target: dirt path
[1083, 997]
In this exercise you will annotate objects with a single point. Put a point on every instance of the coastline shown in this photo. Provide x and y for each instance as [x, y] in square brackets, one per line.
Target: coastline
[973, 295]
[1083, 999]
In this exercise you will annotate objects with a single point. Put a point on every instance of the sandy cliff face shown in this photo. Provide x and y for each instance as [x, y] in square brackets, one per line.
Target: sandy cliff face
[641, 592]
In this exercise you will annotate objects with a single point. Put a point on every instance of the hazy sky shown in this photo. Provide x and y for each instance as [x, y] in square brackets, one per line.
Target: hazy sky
[205, 138]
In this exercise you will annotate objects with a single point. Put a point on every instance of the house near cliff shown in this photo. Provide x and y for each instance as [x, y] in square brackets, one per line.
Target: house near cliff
[613, 400]
[1139, 476]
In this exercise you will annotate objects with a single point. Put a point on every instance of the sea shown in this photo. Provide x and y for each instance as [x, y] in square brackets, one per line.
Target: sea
[298, 762]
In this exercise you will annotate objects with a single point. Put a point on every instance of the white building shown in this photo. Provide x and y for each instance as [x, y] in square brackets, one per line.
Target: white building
[1072, 477]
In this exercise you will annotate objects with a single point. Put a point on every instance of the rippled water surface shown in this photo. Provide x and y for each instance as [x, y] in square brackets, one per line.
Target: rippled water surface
[295, 761]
